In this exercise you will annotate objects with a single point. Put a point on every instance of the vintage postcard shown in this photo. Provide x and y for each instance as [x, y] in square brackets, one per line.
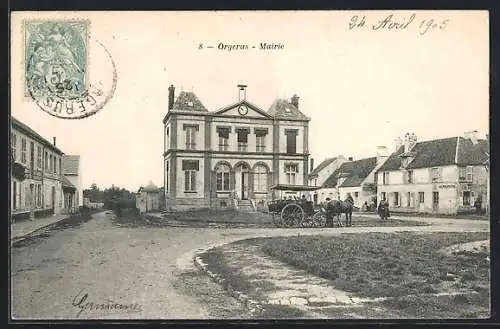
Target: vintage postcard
[250, 165]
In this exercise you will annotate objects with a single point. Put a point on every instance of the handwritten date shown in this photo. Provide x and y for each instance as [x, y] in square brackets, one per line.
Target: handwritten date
[393, 23]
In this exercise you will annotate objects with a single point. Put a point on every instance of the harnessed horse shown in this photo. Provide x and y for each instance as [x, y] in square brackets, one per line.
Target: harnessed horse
[337, 208]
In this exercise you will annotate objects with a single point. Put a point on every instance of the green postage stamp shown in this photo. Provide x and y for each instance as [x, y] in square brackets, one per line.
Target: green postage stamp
[56, 57]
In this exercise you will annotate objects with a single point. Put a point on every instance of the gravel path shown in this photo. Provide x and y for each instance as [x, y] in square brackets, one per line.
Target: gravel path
[107, 272]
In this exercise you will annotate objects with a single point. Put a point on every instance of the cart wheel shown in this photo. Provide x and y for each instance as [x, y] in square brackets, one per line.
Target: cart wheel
[319, 219]
[292, 215]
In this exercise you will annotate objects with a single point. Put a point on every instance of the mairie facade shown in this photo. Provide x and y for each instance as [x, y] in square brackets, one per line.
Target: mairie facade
[231, 156]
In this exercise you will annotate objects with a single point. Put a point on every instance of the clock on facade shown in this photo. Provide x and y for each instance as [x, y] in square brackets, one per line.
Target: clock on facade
[243, 110]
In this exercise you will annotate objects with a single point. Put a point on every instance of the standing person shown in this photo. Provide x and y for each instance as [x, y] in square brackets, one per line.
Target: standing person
[349, 198]
[477, 205]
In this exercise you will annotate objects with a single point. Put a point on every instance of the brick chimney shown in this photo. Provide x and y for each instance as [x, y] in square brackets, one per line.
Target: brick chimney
[312, 165]
[171, 97]
[398, 142]
[54, 141]
[472, 135]
[295, 101]
[382, 154]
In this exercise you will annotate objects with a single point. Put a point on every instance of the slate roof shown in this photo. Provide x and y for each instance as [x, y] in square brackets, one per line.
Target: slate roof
[67, 183]
[187, 101]
[283, 109]
[151, 188]
[357, 170]
[325, 163]
[70, 164]
[441, 152]
[33, 134]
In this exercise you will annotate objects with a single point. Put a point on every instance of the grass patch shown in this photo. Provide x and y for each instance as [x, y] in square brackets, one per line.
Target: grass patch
[383, 264]
[452, 307]
[272, 311]
[220, 216]
[217, 264]
[471, 216]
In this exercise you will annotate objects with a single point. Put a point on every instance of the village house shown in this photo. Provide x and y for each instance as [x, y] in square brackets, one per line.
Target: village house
[229, 158]
[319, 174]
[354, 177]
[94, 204]
[442, 176]
[148, 198]
[72, 182]
[36, 177]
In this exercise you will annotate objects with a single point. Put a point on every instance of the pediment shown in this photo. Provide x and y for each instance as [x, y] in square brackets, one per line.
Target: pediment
[243, 109]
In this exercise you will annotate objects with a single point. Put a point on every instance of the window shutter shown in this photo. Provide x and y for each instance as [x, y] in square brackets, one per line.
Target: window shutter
[260, 132]
[242, 135]
[224, 131]
[190, 165]
[195, 127]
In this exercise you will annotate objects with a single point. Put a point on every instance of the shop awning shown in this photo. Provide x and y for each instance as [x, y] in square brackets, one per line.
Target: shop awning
[295, 188]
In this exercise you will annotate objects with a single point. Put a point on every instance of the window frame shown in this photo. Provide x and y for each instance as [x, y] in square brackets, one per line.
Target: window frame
[421, 197]
[291, 173]
[385, 178]
[260, 179]
[396, 199]
[291, 141]
[466, 197]
[14, 146]
[39, 157]
[435, 175]
[24, 151]
[224, 171]
[260, 143]
[189, 181]
[409, 176]
[223, 143]
[242, 146]
[469, 173]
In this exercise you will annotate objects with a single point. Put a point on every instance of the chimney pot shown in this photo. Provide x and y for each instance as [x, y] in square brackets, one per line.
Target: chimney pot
[54, 141]
[171, 97]
[349, 158]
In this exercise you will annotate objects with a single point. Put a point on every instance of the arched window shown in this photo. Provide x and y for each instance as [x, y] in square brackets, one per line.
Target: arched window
[222, 175]
[260, 178]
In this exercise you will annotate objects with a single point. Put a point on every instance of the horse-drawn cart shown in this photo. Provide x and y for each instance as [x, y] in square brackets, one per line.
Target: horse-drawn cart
[294, 211]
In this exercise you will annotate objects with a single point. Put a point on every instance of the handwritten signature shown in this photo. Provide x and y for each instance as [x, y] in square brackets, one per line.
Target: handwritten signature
[81, 301]
[391, 22]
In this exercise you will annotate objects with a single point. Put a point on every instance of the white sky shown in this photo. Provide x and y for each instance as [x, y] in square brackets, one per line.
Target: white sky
[361, 88]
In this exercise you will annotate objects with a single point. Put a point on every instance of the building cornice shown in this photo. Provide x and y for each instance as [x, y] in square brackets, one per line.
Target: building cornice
[227, 116]
[298, 155]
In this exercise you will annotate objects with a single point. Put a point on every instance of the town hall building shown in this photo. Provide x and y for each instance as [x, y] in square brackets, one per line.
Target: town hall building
[231, 157]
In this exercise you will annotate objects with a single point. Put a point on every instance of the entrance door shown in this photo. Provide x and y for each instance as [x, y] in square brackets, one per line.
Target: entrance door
[244, 185]
[53, 198]
[435, 201]
[32, 196]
